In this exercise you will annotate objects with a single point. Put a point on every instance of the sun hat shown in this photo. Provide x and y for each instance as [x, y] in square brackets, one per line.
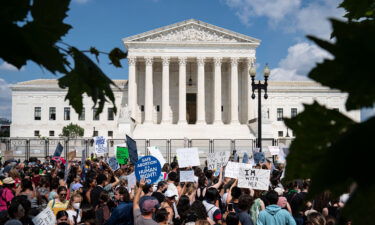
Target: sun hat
[8, 180]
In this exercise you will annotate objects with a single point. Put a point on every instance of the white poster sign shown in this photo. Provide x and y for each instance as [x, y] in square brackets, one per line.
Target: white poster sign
[217, 160]
[46, 217]
[100, 145]
[256, 179]
[274, 150]
[187, 176]
[155, 151]
[232, 169]
[187, 157]
[131, 181]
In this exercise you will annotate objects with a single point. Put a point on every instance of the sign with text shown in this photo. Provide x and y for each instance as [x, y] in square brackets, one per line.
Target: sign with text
[112, 162]
[132, 147]
[100, 145]
[232, 169]
[274, 150]
[187, 157]
[46, 217]
[131, 181]
[122, 154]
[217, 160]
[256, 179]
[155, 151]
[187, 176]
[149, 168]
[259, 157]
[72, 155]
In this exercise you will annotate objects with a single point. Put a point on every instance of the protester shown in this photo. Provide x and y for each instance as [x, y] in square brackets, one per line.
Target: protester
[74, 209]
[6, 194]
[60, 203]
[122, 214]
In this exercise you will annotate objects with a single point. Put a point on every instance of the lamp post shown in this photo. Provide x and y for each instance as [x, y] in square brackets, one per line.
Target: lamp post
[259, 86]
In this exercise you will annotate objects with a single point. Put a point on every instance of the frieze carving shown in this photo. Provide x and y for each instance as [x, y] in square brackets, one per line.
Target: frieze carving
[192, 33]
[166, 60]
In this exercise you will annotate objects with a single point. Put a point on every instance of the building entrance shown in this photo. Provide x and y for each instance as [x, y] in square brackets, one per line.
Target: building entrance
[191, 108]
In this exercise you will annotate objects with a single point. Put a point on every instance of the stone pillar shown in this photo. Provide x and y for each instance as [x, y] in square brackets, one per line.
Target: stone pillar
[217, 91]
[149, 106]
[165, 91]
[182, 91]
[201, 114]
[250, 101]
[132, 91]
[234, 91]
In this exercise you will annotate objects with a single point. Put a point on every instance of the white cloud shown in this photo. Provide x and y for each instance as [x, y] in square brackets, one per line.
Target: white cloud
[9, 67]
[301, 58]
[5, 99]
[81, 1]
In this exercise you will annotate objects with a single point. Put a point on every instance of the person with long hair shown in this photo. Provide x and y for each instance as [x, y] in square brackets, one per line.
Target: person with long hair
[74, 209]
[122, 214]
[59, 203]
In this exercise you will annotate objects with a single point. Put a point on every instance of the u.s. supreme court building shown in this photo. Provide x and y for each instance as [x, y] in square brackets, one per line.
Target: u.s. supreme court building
[186, 80]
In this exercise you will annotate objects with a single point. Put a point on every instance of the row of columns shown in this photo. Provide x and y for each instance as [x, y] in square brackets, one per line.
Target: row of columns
[132, 95]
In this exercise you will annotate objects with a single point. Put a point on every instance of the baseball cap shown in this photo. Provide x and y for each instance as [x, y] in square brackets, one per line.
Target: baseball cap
[147, 203]
[170, 194]
[76, 186]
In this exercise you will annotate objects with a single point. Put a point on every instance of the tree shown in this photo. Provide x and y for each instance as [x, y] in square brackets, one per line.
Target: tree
[33, 30]
[330, 148]
[72, 131]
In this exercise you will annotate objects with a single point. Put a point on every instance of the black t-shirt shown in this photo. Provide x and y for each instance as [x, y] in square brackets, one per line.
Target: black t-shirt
[296, 201]
[159, 196]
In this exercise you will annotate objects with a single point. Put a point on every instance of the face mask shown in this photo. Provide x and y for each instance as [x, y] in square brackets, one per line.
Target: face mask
[154, 189]
[76, 205]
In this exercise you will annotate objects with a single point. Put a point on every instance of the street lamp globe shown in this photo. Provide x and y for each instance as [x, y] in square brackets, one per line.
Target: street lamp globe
[266, 71]
[252, 71]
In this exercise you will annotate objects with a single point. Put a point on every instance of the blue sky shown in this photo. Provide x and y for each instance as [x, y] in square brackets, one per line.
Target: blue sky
[280, 24]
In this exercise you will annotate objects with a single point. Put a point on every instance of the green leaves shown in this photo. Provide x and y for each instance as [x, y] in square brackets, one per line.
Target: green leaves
[72, 131]
[357, 9]
[86, 77]
[352, 69]
[116, 55]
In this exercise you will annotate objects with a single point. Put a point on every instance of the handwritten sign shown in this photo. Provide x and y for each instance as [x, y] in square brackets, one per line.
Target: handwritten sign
[274, 150]
[122, 154]
[46, 217]
[149, 168]
[113, 163]
[256, 179]
[187, 157]
[217, 160]
[131, 181]
[155, 151]
[187, 176]
[232, 169]
[100, 145]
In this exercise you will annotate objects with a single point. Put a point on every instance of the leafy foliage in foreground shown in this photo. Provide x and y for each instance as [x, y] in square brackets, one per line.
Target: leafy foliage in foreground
[330, 148]
[33, 30]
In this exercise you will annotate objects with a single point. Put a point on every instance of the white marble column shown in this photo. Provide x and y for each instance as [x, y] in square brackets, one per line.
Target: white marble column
[217, 91]
[149, 106]
[182, 91]
[201, 114]
[132, 91]
[165, 91]
[234, 91]
[250, 103]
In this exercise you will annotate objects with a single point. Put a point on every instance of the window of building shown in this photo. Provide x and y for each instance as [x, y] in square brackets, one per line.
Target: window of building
[281, 133]
[293, 112]
[158, 108]
[110, 133]
[36, 133]
[52, 113]
[96, 133]
[94, 116]
[82, 116]
[279, 114]
[222, 108]
[111, 114]
[66, 113]
[51, 133]
[142, 108]
[37, 113]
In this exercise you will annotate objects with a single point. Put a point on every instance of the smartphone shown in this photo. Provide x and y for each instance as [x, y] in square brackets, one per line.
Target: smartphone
[230, 207]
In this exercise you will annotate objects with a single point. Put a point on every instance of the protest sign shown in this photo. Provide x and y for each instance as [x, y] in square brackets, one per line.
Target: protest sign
[122, 154]
[72, 155]
[58, 150]
[217, 160]
[187, 157]
[131, 181]
[112, 162]
[232, 169]
[132, 147]
[46, 217]
[155, 151]
[274, 150]
[187, 176]
[256, 179]
[83, 158]
[259, 157]
[100, 145]
[149, 168]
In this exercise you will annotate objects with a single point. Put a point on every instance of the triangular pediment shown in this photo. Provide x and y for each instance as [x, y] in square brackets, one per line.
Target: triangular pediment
[191, 31]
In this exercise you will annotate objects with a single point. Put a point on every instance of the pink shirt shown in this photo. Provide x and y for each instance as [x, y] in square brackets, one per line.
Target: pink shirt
[5, 198]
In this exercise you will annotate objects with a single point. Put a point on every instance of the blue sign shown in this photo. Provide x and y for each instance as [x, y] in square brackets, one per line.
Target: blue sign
[259, 157]
[149, 168]
[113, 163]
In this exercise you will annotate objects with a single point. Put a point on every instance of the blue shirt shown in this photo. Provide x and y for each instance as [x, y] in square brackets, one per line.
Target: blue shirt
[122, 214]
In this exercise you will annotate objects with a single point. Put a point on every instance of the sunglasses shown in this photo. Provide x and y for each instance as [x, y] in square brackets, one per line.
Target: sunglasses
[62, 194]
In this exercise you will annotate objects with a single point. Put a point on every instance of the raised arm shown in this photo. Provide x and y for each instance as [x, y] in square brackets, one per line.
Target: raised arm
[138, 194]
[218, 184]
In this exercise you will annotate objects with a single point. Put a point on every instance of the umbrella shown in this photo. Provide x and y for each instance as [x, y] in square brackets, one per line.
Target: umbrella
[59, 159]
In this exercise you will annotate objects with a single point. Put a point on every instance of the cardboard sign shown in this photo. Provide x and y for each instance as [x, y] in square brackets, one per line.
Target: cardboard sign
[46, 217]
[132, 181]
[149, 168]
[187, 176]
[72, 155]
[256, 179]
[274, 150]
[155, 151]
[100, 145]
[132, 147]
[217, 160]
[113, 163]
[187, 157]
[122, 154]
[232, 169]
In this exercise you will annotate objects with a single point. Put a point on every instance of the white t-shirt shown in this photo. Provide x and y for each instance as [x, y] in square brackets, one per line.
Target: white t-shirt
[72, 213]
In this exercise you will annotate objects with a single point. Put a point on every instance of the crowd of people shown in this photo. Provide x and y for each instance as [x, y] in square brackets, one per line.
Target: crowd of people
[93, 193]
